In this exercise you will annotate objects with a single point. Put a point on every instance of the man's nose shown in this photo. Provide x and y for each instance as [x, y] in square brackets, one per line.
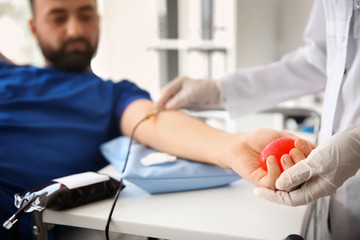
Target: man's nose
[74, 28]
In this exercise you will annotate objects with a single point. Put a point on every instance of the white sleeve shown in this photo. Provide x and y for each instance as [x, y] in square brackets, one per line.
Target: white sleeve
[298, 73]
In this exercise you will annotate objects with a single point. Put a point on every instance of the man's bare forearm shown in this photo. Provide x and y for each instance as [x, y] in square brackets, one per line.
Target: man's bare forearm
[179, 134]
[187, 137]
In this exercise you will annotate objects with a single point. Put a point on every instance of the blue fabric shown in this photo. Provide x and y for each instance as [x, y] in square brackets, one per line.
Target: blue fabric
[181, 175]
[52, 124]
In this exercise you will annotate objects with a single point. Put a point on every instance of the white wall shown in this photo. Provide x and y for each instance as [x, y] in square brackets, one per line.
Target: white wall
[293, 17]
[267, 29]
[16, 40]
[128, 29]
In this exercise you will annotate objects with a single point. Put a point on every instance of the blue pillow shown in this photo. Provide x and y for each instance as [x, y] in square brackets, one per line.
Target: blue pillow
[180, 175]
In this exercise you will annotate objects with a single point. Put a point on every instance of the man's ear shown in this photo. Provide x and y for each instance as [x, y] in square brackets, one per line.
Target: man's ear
[32, 27]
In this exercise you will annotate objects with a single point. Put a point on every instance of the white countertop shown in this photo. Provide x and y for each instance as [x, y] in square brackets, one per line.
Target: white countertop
[231, 212]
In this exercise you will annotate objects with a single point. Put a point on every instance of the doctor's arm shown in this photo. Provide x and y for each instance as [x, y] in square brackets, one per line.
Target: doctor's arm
[326, 168]
[184, 136]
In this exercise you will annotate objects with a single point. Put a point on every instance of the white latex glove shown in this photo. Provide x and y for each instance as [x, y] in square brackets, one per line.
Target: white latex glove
[326, 168]
[189, 92]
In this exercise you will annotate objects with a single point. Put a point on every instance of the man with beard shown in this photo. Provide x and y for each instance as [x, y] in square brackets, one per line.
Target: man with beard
[68, 38]
[53, 119]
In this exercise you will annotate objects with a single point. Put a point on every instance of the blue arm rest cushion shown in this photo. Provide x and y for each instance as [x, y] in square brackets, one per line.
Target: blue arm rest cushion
[180, 175]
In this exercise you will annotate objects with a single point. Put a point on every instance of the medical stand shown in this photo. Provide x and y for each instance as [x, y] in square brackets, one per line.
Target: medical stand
[39, 228]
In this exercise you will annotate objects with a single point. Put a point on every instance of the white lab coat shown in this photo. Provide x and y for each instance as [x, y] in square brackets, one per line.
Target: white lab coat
[329, 61]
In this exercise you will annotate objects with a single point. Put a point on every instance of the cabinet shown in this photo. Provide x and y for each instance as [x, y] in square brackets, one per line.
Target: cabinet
[195, 38]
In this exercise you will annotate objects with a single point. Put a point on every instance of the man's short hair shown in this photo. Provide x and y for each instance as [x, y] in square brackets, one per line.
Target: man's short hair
[32, 6]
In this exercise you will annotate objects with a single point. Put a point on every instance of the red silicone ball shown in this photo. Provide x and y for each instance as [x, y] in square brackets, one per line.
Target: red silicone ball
[277, 148]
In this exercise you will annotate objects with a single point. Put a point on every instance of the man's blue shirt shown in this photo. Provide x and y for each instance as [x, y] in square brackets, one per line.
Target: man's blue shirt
[52, 123]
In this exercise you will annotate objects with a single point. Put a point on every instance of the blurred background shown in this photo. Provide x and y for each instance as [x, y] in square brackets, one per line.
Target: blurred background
[151, 42]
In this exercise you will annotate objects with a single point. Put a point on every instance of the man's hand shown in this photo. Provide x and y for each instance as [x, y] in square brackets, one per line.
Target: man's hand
[189, 92]
[245, 152]
[325, 170]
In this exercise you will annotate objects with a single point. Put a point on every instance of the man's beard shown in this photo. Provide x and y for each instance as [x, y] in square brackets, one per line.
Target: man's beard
[74, 60]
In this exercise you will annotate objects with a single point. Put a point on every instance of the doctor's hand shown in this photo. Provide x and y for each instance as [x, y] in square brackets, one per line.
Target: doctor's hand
[244, 156]
[189, 92]
[325, 170]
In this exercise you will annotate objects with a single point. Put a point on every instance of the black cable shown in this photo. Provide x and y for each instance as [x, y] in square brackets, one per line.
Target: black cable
[123, 170]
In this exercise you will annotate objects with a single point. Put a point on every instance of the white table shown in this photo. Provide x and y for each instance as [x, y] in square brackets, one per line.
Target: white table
[231, 212]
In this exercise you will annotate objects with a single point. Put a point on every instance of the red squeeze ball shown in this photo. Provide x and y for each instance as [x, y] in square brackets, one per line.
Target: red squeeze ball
[277, 148]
